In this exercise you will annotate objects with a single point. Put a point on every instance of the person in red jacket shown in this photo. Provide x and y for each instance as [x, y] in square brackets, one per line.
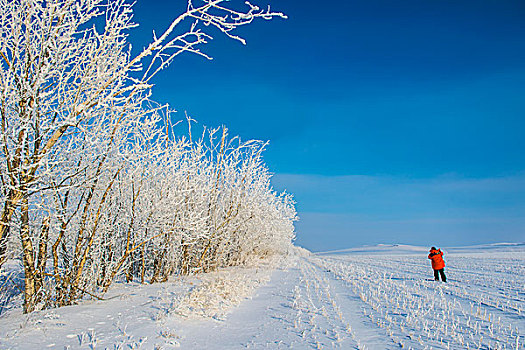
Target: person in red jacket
[438, 264]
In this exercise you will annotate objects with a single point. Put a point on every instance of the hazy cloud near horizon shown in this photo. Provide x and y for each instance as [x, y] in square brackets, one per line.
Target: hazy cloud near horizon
[347, 211]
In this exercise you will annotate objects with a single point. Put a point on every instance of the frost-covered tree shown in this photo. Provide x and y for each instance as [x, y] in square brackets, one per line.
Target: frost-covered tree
[91, 180]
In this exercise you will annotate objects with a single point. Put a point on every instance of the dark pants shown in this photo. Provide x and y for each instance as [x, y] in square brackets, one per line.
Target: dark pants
[440, 272]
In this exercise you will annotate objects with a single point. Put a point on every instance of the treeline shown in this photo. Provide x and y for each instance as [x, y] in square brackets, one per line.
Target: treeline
[96, 185]
[144, 208]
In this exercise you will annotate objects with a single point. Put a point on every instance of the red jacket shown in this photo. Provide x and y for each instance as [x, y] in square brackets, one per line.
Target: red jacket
[436, 256]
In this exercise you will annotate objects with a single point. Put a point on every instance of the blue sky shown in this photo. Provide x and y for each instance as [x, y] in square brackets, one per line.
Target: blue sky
[391, 122]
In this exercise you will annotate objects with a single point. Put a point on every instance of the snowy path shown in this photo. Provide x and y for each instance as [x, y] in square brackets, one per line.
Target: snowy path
[344, 301]
[301, 307]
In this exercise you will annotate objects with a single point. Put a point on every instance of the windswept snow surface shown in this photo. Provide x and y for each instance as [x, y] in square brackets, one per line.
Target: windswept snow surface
[380, 297]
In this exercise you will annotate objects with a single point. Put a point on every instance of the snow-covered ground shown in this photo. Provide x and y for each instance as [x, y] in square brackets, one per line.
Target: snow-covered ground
[380, 297]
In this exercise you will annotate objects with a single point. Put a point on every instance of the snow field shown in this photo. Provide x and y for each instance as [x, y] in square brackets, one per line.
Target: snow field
[481, 307]
[341, 301]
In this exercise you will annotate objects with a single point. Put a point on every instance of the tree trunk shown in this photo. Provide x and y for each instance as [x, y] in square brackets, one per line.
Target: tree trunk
[28, 258]
[42, 255]
[142, 264]
[10, 204]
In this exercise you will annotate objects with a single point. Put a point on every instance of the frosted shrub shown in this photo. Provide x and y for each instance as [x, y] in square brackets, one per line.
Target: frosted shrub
[215, 296]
